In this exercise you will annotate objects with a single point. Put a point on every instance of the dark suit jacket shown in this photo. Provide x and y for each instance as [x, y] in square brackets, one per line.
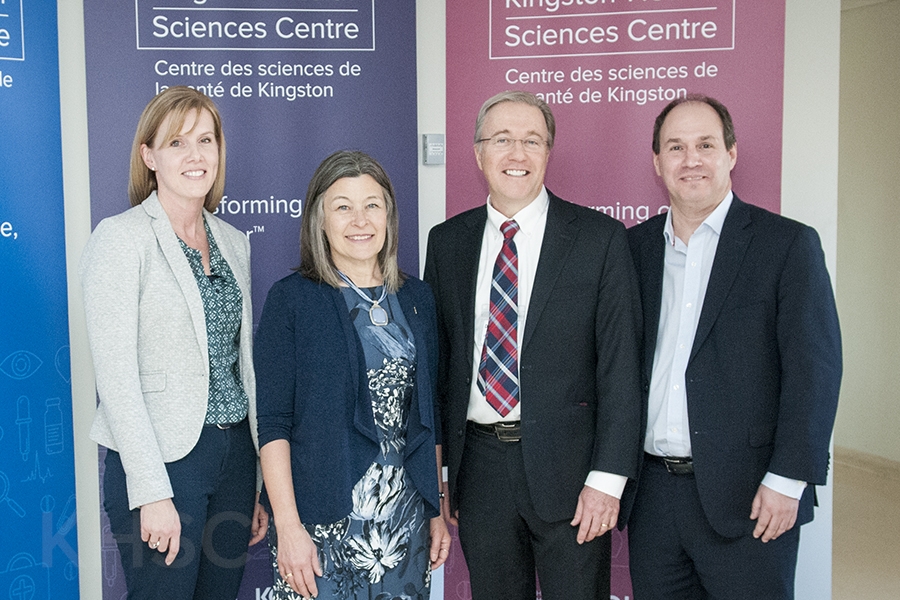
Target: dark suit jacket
[312, 390]
[579, 362]
[765, 368]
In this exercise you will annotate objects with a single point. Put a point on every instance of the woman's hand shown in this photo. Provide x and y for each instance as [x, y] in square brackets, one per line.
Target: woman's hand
[161, 527]
[259, 525]
[440, 542]
[298, 560]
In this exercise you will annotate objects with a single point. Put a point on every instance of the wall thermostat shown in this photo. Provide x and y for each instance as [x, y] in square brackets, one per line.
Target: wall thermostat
[433, 149]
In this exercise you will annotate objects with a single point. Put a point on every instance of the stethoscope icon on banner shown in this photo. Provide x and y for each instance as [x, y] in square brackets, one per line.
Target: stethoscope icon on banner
[4, 496]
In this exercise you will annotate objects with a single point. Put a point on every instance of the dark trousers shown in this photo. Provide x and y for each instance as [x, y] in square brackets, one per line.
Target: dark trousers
[505, 542]
[675, 553]
[214, 493]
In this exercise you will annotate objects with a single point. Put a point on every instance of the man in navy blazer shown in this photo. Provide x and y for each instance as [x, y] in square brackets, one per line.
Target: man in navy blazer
[742, 367]
[536, 489]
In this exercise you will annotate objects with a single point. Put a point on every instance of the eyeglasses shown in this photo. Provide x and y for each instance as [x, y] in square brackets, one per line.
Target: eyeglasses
[501, 143]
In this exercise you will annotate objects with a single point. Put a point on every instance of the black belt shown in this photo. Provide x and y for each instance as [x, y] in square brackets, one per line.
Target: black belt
[224, 426]
[676, 465]
[505, 432]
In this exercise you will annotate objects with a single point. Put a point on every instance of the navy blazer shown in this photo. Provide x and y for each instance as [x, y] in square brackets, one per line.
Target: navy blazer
[765, 368]
[579, 356]
[312, 390]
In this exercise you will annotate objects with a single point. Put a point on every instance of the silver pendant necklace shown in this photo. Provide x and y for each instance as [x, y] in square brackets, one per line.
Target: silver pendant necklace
[377, 314]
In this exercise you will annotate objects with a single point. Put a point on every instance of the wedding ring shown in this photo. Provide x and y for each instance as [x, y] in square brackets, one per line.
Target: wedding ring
[288, 575]
[155, 545]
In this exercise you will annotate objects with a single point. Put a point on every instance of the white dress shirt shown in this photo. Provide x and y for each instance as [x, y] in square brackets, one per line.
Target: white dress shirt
[685, 279]
[532, 221]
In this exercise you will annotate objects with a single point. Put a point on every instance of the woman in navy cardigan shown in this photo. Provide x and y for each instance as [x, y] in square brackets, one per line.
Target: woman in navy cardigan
[346, 359]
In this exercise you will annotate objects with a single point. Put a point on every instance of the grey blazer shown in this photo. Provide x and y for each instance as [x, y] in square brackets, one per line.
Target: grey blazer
[147, 333]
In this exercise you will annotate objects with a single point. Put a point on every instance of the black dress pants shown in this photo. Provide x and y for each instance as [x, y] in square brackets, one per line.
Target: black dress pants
[506, 543]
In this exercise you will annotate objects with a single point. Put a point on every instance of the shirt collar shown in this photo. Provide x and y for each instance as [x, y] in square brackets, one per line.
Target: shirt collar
[714, 221]
[528, 218]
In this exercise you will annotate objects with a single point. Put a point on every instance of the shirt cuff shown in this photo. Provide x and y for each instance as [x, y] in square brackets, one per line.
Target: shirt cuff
[783, 485]
[608, 483]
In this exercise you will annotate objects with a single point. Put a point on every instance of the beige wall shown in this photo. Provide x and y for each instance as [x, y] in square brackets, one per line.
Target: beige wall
[868, 289]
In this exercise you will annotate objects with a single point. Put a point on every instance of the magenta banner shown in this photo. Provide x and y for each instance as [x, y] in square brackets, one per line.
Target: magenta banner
[607, 68]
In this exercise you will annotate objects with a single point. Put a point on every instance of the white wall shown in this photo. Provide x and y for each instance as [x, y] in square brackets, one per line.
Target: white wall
[869, 224]
[809, 183]
[73, 103]
[809, 194]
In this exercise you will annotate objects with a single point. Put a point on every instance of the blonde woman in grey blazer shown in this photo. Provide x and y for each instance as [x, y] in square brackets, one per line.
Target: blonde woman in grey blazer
[167, 295]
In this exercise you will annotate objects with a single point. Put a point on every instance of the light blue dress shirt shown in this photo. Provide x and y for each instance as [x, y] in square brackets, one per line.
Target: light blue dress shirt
[685, 279]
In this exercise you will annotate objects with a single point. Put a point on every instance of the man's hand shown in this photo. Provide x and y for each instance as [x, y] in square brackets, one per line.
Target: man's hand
[774, 513]
[595, 514]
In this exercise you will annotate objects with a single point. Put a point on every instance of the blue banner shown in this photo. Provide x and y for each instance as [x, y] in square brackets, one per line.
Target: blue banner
[38, 547]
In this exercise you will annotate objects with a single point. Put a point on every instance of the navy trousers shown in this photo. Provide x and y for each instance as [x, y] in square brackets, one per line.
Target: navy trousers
[675, 554]
[215, 494]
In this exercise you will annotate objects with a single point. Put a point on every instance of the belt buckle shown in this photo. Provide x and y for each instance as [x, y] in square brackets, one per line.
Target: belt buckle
[678, 466]
[507, 432]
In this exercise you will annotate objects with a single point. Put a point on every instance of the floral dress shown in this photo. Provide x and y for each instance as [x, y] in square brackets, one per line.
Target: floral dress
[381, 550]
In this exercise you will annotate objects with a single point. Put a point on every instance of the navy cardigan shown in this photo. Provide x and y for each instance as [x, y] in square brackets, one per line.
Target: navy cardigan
[312, 390]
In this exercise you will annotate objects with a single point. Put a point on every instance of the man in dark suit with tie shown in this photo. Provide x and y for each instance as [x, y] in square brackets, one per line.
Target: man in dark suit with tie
[742, 367]
[539, 325]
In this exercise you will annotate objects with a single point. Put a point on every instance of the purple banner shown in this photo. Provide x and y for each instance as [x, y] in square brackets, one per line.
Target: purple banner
[607, 68]
[544, 29]
[294, 81]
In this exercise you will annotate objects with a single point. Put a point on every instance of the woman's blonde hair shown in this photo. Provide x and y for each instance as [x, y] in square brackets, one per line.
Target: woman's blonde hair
[178, 101]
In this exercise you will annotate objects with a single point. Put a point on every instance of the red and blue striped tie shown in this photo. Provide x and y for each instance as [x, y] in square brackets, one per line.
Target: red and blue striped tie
[498, 373]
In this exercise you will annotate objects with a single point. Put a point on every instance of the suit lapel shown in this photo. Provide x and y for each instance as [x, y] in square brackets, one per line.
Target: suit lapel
[465, 277]
[733, 243]
[181, 269]
[559, 237]
[652, 259]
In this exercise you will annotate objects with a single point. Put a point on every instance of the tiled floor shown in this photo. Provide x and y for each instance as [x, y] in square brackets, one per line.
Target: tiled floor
[866, 529]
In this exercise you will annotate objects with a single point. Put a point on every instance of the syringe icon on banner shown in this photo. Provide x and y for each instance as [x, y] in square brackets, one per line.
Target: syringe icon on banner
[23, 420]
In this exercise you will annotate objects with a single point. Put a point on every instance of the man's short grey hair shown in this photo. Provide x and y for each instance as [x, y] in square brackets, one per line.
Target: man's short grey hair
[521, 98]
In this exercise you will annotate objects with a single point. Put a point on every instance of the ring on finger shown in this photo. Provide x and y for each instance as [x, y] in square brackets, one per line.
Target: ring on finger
[155, 545]
[288, 575]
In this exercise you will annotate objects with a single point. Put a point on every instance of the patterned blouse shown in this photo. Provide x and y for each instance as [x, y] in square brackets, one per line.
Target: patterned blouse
[222, 306]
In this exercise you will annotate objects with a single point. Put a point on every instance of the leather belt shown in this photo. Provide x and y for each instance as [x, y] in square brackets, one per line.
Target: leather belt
[676, 465]
[224, 426]
[504, 431]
